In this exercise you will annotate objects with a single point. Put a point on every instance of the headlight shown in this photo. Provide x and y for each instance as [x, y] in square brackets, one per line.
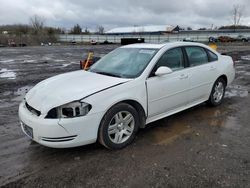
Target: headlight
[70, 110]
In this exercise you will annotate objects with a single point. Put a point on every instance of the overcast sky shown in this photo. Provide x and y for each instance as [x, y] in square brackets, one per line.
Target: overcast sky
[117, 13]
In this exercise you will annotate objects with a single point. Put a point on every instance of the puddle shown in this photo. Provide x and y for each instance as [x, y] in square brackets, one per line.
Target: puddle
[9, 74]
[167, 132]
[21, 92]
[210, 116]
[231, 123]
[236, 91]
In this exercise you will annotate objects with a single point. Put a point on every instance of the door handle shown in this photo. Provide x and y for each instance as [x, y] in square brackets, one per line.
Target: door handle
[183, 76]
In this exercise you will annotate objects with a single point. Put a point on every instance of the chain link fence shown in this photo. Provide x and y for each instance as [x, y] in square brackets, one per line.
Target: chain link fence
[199, 37]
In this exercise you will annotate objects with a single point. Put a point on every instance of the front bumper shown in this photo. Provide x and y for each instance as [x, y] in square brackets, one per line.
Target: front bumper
[60, 133]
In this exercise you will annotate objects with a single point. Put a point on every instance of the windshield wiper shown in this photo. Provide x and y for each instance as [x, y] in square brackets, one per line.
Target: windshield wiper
[107, 74]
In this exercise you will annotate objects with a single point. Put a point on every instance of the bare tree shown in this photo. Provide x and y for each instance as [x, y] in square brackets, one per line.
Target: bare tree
[86, 31]
[37, 23]
[100, 29]
[237, 14]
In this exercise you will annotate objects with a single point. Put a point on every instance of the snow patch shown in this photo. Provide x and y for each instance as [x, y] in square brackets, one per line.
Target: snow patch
[29, 61]
[59, 60]
[7, 61]
[236, 91]
[9, 74]
[68, 64]
[21, 92]
[246, 57]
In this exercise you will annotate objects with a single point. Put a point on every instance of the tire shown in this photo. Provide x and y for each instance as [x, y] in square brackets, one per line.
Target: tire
[217, 93]
[118, 126]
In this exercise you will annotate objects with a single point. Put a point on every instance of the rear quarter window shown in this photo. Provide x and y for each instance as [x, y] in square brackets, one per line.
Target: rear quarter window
[212, 56]
[196, 55]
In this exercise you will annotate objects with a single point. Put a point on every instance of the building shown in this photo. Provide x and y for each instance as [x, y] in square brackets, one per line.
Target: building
[155, 29]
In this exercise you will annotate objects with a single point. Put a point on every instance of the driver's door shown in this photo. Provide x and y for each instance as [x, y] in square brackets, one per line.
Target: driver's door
[168, 92]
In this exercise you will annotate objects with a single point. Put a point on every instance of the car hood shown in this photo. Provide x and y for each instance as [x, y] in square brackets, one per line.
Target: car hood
[65, 88]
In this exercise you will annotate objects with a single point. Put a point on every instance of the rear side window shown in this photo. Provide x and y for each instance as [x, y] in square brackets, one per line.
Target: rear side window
[212, 56]
[172, 58]
[196, 56]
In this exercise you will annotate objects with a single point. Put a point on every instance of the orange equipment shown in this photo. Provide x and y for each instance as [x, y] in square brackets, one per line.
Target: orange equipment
[213, 46]
[87, 62]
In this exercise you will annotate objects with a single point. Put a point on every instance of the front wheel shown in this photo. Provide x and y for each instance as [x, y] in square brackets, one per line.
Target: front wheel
[218, 92]
[118, 126]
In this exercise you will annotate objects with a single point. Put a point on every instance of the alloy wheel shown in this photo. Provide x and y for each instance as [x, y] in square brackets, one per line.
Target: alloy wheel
[121, 127]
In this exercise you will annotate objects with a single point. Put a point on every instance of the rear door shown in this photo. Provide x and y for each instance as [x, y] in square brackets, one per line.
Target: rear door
[202, 72]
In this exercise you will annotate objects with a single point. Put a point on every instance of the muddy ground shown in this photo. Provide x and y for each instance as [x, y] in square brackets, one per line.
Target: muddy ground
[200, 147]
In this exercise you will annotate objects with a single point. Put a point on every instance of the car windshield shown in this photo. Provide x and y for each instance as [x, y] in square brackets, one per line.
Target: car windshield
[124, 62]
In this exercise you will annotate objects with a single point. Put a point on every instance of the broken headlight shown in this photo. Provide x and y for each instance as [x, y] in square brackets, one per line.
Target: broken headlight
[70, 110]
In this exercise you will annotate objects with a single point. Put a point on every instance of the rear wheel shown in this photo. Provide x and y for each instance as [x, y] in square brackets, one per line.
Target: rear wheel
[118, 126]
[217, 93]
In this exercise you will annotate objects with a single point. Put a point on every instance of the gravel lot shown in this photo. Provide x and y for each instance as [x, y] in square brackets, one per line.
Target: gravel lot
[200, 147]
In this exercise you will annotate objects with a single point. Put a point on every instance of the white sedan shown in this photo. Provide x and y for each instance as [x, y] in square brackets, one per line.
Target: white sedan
[125, 90]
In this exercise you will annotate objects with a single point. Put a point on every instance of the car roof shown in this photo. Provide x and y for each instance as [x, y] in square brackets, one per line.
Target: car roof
[159, 46]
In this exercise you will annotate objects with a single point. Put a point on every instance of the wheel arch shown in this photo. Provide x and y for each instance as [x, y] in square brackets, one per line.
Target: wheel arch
[138, 107]
[224, 77]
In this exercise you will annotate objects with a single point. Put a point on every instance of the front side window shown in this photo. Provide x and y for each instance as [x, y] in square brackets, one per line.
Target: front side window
[196, 56]
[172, 58]
[124, 62]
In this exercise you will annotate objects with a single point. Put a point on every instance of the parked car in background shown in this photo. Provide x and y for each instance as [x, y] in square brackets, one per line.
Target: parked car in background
[226, 39]
[188, 39]
[128, 88]
[212, 39]
[11, 43]
[73, 42]
[22, 45]
[46, 44]
[93, 42]
[242, 38]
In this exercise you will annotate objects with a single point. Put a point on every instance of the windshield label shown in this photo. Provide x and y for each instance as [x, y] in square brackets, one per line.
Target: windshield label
[151, 52]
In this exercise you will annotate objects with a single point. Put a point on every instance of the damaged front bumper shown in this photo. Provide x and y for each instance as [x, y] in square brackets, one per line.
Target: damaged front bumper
[59, 133]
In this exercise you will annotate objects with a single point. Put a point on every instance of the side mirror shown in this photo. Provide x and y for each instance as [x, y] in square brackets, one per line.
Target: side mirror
[162, 71]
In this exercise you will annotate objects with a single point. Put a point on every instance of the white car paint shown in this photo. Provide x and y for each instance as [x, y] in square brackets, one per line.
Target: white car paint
[68, 87]
[183, 89]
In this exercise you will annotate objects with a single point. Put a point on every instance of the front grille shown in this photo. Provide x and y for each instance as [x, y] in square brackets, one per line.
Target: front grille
[32, 110]
[59, 139]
